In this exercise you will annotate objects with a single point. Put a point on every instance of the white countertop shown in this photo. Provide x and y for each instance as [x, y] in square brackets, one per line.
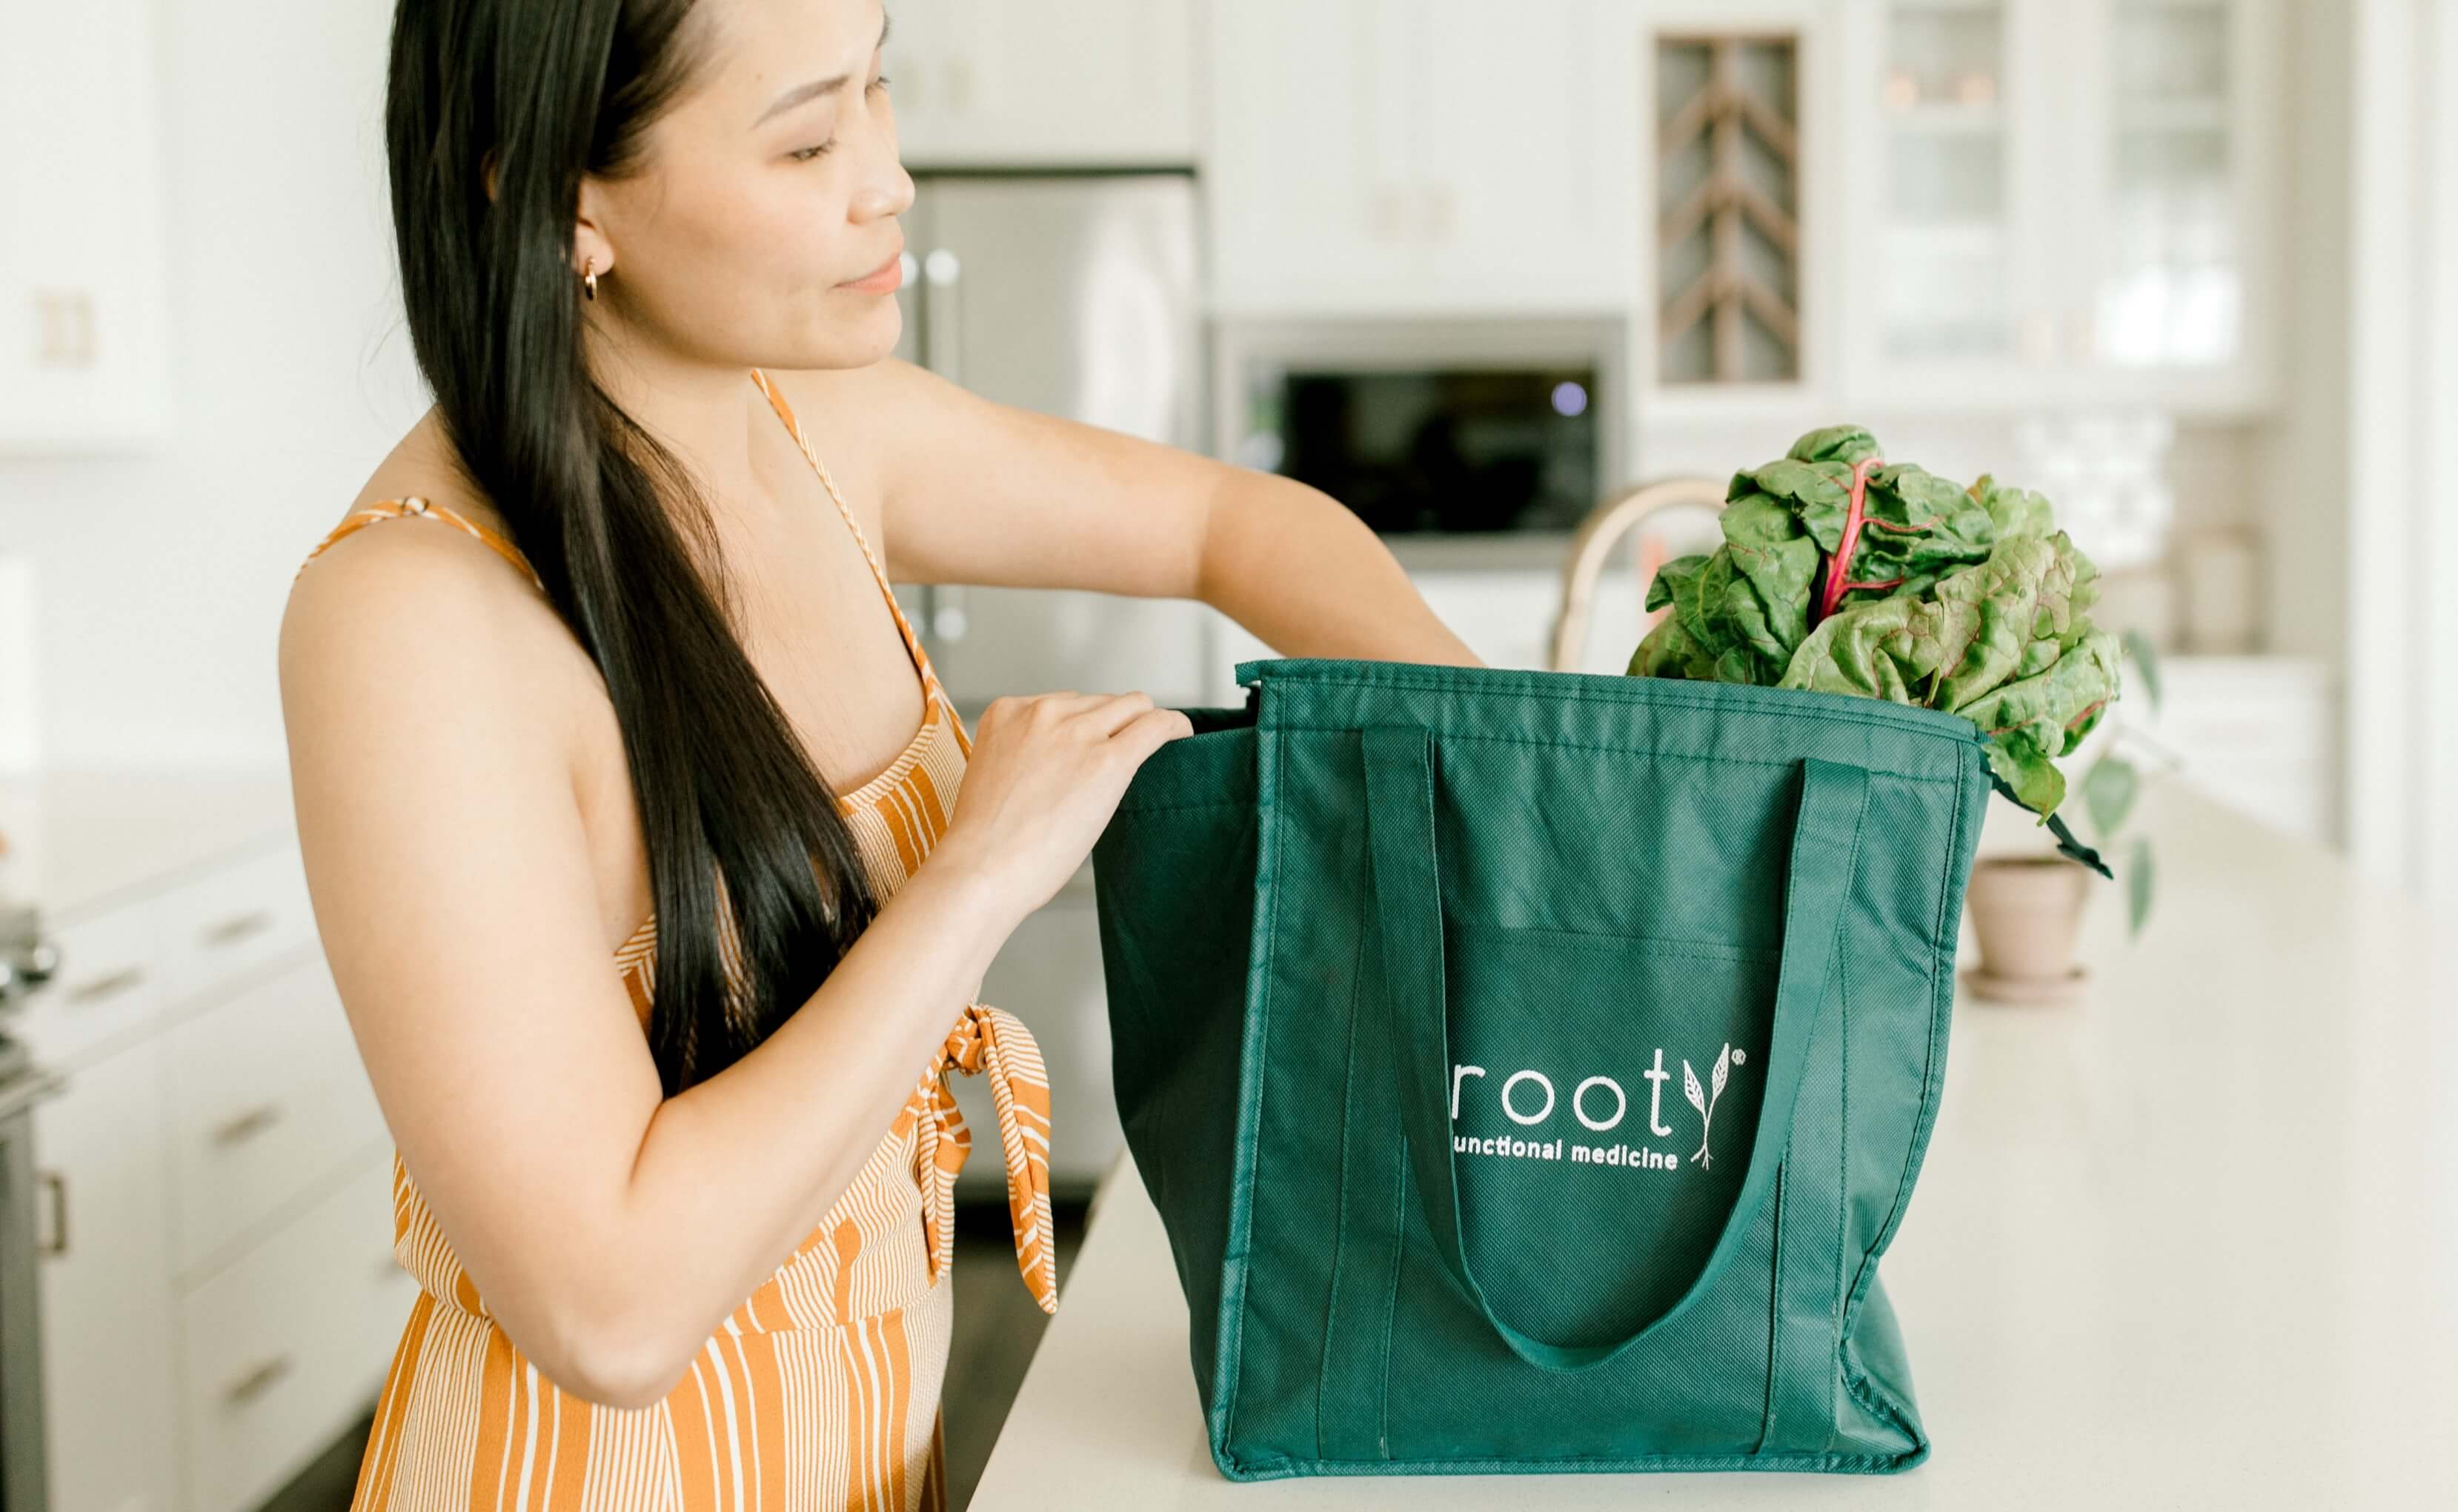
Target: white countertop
[2191, 1242]
[80, 838]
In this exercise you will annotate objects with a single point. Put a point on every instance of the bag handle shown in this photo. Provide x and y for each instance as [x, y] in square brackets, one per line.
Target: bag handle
[1405, 881]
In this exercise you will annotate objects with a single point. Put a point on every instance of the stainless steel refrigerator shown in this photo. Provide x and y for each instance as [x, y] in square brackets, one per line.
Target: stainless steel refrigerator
[1074, 295]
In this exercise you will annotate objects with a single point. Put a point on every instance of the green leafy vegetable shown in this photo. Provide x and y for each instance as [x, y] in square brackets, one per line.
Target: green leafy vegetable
[1841, 573]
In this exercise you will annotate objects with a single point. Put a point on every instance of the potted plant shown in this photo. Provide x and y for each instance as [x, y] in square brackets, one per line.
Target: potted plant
[2026, 910]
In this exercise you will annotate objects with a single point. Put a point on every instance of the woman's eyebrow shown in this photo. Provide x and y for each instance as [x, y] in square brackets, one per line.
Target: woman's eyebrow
[817, 87]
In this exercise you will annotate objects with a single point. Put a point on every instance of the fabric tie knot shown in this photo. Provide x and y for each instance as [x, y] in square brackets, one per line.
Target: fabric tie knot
[992, 1039]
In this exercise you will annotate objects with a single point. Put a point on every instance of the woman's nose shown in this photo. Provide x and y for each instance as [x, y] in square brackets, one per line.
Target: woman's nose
[886, 192]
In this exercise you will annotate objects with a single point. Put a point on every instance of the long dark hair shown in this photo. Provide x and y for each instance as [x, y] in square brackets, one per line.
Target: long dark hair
[757, 882]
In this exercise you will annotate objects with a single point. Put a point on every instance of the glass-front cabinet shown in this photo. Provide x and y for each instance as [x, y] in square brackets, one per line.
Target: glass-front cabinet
[2060, 200]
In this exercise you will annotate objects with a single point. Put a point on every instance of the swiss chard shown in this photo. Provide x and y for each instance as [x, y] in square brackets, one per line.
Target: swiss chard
[1843, 573]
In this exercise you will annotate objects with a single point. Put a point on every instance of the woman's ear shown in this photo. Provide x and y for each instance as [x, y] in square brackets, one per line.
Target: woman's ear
[590, 245]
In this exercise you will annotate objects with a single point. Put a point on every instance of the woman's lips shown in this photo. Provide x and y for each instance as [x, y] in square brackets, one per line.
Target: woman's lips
[885, 279]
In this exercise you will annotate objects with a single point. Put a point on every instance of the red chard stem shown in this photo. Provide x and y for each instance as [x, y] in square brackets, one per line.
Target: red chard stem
[1855, 516]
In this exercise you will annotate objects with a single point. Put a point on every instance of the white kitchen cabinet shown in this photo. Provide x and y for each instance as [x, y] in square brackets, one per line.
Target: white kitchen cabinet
[1504, 614]
[84, 358]
[110, 1410]
[2061, 201]
[2252, 732]
[217, 1295]
[287, 1347]
[1422, 157]
[1044, 83]
[265, 1092]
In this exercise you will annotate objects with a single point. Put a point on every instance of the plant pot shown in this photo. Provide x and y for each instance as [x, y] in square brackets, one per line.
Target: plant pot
[2026, 911]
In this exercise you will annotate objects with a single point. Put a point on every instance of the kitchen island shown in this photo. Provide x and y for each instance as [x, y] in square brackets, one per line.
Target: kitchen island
[2191, 1241]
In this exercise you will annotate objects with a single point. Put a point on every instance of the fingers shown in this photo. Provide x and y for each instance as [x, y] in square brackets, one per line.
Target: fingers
[1154, 728]
[1112, 714]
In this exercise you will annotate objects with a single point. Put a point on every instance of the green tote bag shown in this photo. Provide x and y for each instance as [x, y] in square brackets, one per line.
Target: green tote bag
[1531, 1068]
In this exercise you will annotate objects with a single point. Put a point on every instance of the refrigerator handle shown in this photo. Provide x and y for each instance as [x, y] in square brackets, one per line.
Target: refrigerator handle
[947, 610]
[943, 605]
[941, 349]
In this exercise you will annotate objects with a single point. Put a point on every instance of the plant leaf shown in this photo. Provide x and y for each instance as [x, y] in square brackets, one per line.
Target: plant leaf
[2146, 661]
[2139, 879]
[2108, 793]
[1690, 1090]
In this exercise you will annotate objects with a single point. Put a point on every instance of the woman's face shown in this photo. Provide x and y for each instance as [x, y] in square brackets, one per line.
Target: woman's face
[768, 194]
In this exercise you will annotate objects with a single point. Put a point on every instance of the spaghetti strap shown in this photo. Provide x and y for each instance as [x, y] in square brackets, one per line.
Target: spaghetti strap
[413, 506]
[905, 626]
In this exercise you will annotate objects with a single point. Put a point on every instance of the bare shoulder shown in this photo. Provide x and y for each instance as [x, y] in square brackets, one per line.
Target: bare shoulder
[418, 615]
[863, 420]
[866, 423]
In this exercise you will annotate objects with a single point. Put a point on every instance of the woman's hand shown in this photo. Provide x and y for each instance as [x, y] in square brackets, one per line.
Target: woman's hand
[1045, 774]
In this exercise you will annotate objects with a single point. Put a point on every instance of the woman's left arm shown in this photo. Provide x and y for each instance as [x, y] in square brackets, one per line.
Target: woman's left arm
[973, 491]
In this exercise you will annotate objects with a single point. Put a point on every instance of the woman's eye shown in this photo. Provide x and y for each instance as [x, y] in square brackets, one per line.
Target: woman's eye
[805, 155]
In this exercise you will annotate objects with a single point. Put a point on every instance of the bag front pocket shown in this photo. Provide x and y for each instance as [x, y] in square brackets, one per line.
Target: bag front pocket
[1605, 1090]
[1593, 1187]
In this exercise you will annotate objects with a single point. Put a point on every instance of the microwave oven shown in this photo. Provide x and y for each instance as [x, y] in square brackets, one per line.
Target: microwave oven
[1432, 429]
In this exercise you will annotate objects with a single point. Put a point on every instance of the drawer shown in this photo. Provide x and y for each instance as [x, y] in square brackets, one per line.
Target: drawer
[2287, 796]
[287, 1346]
[267, 1093]
[241, 916]
[2243, 732]
[2225, 708]
[109, 984]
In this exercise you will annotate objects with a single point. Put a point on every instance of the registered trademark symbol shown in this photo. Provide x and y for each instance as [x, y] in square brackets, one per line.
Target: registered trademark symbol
[1738, 1056]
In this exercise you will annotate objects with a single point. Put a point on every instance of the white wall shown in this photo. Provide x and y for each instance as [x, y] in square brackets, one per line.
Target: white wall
[2305, 528]
[161, 576]
[2439, 845]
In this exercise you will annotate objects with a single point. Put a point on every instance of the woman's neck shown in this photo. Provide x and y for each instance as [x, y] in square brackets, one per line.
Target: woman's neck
[704, 416]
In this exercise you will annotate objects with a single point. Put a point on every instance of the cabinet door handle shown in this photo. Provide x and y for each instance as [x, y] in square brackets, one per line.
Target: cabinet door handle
[109, 984]
[257, 1382]
[58, 1185]
[946, 611]
[248, 1124]
[232, 930]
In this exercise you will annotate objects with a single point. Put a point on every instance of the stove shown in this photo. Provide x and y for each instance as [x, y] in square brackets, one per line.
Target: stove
[27, 958]
[27, 961]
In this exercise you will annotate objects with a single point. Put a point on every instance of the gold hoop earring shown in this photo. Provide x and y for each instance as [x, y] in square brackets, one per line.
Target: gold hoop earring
[588, 277]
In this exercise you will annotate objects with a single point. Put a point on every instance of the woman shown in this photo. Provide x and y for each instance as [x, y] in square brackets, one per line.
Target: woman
[657, 874]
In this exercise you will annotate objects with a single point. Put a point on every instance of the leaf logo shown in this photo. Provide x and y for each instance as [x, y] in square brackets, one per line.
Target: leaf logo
[1706, 1101]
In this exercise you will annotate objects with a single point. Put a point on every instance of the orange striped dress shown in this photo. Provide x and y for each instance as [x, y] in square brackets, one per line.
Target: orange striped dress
[821, 1390]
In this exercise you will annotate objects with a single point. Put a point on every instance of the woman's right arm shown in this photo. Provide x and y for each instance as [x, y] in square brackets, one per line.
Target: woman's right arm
[609, 1228]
